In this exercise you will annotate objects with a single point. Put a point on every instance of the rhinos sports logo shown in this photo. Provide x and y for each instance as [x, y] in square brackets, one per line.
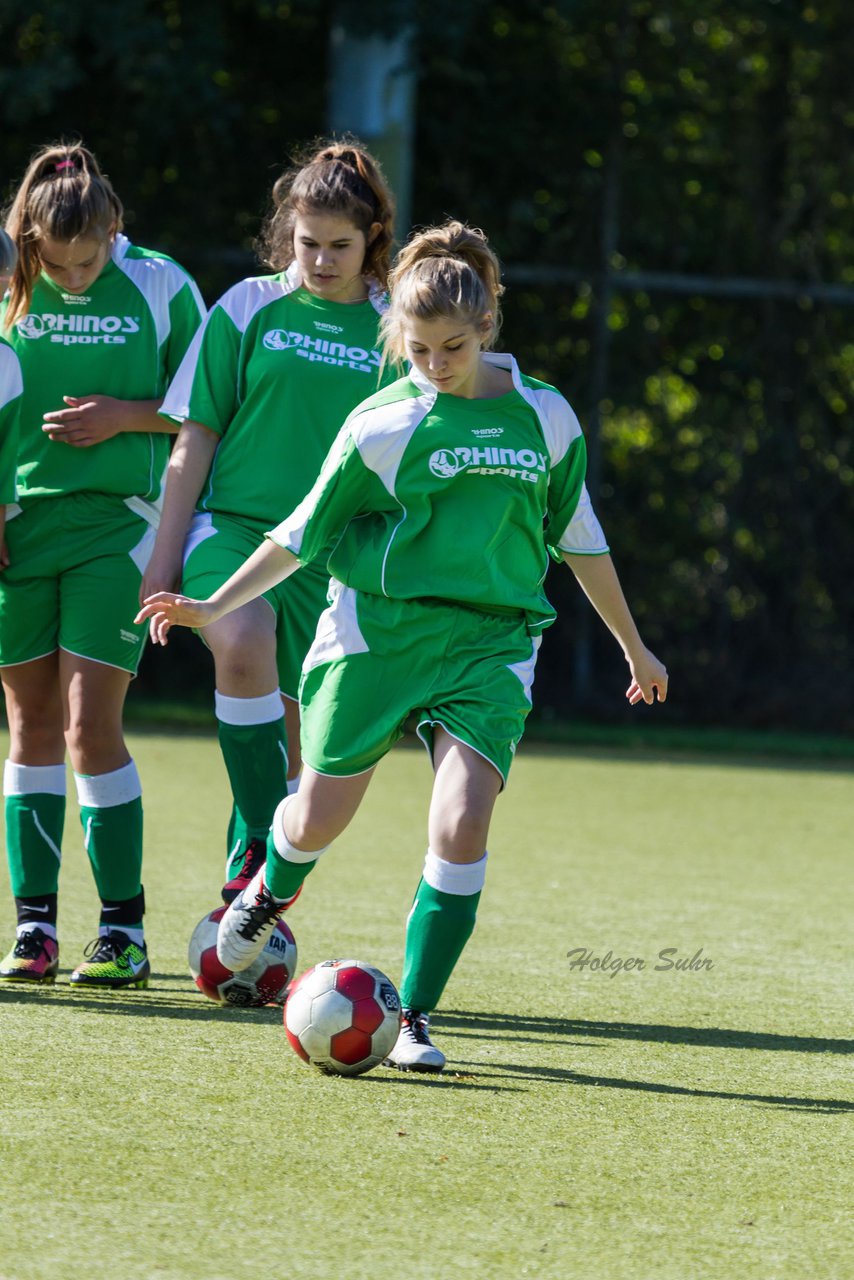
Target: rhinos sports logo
[276, 340]
[521, 464]
[322, 349]
[31, 327]
[443, 463]
[74, 329]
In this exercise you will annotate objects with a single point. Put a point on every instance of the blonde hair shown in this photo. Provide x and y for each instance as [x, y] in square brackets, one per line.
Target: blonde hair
[446, 272]
[332, 177]
[64, 195]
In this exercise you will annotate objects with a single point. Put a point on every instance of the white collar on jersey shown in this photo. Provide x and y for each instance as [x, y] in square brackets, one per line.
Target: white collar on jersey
[501, 360]
[121, 244]
[376, 293]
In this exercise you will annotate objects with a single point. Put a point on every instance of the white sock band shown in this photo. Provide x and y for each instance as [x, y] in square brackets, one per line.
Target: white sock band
[284, 848]
[106, 790]
[248, 711]
[460, 878]
[33, 779]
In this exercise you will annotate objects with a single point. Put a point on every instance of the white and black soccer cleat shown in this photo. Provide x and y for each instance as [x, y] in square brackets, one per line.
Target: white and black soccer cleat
[247, 924]
[414, 1050]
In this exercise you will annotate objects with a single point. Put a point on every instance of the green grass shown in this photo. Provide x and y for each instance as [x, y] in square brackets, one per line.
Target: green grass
[646, 732]
[650, 1124]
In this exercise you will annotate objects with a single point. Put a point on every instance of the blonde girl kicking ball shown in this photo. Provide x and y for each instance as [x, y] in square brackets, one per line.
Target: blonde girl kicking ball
[99, 327]
[281, 361]
[440, 499]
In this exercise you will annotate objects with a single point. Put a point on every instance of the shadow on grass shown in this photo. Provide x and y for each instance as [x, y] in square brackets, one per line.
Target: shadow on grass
[163, 1002]
[470, 1023]
[482, 1081]
[557, 1075]
[168, 1001]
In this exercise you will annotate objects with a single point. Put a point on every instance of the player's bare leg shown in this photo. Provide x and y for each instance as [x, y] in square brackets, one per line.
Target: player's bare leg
[292, 729]
[304, 826]
[443, 913]
[34, 785]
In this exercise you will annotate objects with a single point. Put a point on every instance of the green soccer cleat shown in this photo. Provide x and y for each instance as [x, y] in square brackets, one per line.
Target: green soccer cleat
[113, 961]
[34, 958]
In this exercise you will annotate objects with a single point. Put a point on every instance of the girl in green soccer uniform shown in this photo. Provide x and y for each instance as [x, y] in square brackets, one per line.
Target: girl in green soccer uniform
[438, 500]
[11, 386]
[277, 367]
[99, 327]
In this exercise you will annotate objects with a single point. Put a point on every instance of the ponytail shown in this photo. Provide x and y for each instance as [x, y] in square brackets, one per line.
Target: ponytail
[332, 177]
[446, 272]
[63, 195]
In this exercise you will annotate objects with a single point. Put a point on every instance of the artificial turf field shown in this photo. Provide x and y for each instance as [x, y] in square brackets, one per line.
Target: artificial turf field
[657, 1123]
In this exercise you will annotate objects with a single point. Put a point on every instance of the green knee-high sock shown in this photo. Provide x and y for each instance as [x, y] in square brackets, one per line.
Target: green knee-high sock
[284, 878]
[256, 760]
[286, 867]
[236, 840]
[111, 816]
[439, 926]
[35, 817]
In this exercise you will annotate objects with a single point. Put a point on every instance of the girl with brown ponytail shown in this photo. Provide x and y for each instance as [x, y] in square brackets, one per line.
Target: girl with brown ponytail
[280, 362]
[441, 500]
[99, 327]
[11, 386]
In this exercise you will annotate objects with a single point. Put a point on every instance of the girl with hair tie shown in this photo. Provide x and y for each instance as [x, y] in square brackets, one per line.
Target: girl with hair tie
[99, 327]
[11, 387]
[278, 365]
[438, 506]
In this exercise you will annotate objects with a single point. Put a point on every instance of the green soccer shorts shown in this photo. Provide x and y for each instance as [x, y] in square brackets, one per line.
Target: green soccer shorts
[75, 567]
[216, 545]
[375, 662]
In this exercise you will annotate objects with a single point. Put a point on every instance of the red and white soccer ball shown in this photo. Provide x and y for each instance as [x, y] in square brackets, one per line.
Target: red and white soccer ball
[342, 1016]
[264, 982]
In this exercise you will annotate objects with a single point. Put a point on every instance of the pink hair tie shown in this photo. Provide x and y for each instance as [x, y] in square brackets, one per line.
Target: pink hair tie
[64, 164]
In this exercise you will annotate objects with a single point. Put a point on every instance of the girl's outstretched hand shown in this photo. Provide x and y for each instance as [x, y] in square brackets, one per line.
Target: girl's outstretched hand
[165, 610]
[649, 678]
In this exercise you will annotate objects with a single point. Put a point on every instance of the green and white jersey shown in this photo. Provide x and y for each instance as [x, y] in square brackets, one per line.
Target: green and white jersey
[274, 372]
[125, 337]
[428, 495]
[11, 390]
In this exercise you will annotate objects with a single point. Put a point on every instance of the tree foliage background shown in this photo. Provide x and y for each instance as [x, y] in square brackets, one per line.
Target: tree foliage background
[592, 139]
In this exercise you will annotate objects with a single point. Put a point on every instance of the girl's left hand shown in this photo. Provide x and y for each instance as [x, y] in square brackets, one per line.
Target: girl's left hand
[649, 678]
[88, 420]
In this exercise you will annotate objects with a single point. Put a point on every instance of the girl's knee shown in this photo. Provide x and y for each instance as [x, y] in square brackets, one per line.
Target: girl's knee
[310, 825]
[90, 739]
[37, 739]
[460, 834]
[241, 659]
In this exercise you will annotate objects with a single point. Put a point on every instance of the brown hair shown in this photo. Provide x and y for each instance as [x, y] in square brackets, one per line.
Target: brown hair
[64, 195]
[331, 177]
[444, 272]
